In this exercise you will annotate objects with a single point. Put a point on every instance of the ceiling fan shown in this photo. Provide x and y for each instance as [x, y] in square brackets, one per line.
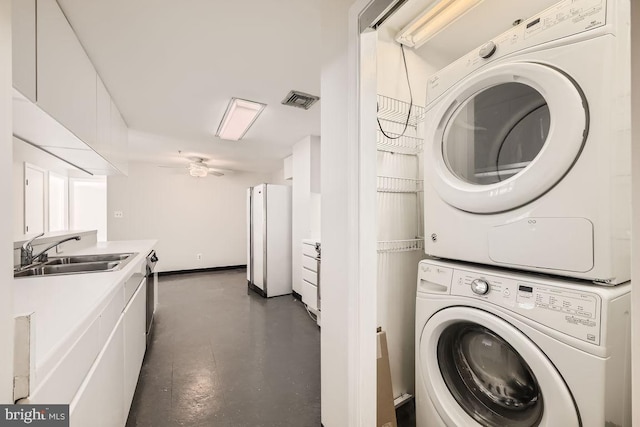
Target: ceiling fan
[198, 167]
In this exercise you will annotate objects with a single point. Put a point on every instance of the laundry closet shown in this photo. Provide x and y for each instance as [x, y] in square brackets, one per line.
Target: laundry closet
[507, 197]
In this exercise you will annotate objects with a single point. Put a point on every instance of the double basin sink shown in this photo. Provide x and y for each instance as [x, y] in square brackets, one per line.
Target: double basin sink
[77, 264]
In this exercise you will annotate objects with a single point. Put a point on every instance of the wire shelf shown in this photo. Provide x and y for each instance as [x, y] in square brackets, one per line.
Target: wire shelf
[398, 144]
[388, 184]
[390, 246]
[394, 110]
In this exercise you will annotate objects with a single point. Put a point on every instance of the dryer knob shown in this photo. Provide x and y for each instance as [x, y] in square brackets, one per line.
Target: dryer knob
[480, 287]
[487, 50]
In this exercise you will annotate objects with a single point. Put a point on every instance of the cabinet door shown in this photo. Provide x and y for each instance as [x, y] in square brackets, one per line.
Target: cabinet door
[66, 77]
[135, 342]
[23, 33]
[103, 136]
[98, 402]
[119, 141]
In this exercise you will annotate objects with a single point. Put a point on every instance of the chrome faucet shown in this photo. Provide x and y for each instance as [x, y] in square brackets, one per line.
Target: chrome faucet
[26, 252]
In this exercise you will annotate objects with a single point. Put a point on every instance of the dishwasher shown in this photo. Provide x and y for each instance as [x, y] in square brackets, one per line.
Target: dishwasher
[152, 278]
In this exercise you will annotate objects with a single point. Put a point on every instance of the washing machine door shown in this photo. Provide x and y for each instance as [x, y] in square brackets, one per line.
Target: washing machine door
[480, 370]
[505, 136]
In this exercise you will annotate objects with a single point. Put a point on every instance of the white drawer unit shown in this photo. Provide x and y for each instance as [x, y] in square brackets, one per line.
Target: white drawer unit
[309, 248]
[311, 275]
[310, 263]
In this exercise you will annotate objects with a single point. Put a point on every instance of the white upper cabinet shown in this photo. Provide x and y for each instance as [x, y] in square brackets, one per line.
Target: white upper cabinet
[103, 139]
[23, 19]
[66, 78]
[119, 140]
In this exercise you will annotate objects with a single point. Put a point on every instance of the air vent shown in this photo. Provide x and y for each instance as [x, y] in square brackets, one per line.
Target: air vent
[300, 99]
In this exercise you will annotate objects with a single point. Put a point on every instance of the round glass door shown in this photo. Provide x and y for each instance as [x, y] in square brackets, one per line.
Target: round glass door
[496, 133]
[478, 369]
[505, 136]
[488, 378]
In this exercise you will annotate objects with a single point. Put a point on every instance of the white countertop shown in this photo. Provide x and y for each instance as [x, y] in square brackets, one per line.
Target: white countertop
[66, 305]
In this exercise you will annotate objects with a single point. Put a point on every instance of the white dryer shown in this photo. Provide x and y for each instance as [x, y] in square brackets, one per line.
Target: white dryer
[527, 147]
[498, 348]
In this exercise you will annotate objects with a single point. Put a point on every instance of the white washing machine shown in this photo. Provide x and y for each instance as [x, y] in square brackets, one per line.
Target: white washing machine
[527, 147]
[500, 348]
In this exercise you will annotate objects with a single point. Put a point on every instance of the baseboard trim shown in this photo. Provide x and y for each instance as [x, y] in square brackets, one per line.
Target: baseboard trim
[202, 270]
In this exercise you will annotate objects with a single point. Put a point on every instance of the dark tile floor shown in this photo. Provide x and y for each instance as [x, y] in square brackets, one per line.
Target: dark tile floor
[406, 414]
[222, 356]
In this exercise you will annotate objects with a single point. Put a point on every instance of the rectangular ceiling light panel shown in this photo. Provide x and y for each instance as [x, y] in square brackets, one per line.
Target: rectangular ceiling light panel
[238, 118]
[433, 20]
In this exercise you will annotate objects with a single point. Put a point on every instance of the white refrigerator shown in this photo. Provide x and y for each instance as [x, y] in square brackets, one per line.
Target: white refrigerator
[269, 239]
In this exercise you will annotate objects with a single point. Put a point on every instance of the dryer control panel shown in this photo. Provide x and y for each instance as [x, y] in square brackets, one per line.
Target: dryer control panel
[573, 312]
[565, 19]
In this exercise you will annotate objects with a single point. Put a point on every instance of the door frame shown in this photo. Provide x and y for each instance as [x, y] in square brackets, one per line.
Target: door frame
[45, 187]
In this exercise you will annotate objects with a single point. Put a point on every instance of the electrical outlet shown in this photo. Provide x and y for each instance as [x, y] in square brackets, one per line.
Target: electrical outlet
[118, 214]
[199, 257]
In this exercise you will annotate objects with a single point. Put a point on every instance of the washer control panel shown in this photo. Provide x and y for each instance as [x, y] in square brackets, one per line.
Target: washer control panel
[576, 313]
[480, 287]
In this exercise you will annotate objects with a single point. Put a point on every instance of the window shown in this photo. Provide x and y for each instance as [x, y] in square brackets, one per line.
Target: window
[58, 202]
[88, 205]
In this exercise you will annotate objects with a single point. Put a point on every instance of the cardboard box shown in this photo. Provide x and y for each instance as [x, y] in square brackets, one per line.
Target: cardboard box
[386, 414]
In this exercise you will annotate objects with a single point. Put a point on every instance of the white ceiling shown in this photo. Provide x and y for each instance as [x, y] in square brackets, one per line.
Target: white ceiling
[172, 66]
[485, 21]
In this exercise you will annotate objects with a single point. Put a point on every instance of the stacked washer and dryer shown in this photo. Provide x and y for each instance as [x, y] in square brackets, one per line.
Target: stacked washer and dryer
[522, 309]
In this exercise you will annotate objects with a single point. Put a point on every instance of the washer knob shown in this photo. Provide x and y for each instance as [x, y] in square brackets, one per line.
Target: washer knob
[487, 50]
[480, 287]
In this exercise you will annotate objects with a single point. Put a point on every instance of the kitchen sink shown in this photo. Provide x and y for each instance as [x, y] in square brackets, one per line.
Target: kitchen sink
[77, 264]
[87, 258]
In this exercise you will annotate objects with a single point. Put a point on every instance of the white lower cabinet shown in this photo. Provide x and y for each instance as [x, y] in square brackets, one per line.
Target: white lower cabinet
[135, 342]
[98, 402]
[105, 396]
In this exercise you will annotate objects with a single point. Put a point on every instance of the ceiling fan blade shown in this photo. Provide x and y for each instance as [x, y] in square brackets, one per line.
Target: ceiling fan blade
[172, 166]
[215, 173]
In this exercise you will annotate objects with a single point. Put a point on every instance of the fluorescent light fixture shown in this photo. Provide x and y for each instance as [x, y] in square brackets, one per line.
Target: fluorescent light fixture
[433, 20]
[238, 118]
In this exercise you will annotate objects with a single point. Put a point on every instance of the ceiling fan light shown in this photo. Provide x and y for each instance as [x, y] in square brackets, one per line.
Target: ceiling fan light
[238, 118]
[198, 170]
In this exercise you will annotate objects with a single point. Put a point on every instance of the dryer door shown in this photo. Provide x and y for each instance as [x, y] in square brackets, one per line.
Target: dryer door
[505, 136]
[480, 370]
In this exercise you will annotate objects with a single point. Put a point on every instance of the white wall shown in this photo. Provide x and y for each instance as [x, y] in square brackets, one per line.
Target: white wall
[6, 248]
[23, 152]
[399, 214]
[390, 70]
[306, 184]
[348, 379]
[635, 175]
[278, 178]
[334, 334]
[187, 215]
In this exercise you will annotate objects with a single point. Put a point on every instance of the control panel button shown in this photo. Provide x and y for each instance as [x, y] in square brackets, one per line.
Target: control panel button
[480, 287]
[487, 49]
